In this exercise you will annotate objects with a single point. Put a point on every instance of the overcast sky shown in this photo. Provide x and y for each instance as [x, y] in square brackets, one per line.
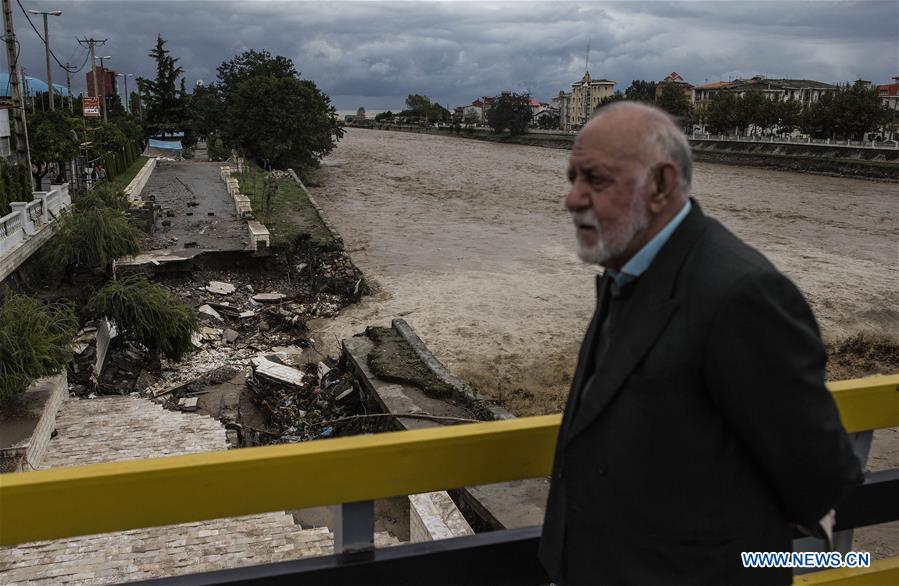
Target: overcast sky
[375, 53]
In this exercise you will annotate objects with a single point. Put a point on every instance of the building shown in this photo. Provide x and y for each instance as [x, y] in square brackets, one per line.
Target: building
[586, 96]
[703, 94]
[889, 94]
[675, 78]
[107, 82]
[564, 110]
[806, 91]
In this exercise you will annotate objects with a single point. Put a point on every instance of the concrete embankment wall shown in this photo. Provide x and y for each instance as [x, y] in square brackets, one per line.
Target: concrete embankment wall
[823, 159]
[848, 161]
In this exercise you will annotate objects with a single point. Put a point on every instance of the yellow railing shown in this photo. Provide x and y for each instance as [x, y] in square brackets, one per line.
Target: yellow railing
[82, 500]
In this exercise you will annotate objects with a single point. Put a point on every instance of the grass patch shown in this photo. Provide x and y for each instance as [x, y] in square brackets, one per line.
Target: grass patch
[121, 181]
[283, 206]
[393, 359]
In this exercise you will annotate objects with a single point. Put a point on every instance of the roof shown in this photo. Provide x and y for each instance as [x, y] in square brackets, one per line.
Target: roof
[783, 83]
[478, 104]
[33, 86]
[715, 85]
[533, 102]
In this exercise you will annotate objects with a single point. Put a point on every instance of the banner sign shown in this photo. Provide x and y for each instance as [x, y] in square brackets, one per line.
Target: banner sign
[91, 105]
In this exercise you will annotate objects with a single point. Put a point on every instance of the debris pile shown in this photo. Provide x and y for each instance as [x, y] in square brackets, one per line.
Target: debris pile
[320, 401]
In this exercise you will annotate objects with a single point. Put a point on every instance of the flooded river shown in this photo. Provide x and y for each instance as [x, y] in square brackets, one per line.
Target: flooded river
[470, 243]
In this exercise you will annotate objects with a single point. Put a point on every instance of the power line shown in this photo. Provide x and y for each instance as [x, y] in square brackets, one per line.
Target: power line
[41, 37]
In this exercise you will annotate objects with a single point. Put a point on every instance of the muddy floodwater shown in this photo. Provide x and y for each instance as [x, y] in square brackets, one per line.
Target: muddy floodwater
[470, 243]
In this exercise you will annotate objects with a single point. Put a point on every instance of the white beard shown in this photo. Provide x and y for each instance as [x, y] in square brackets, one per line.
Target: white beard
[610, 244]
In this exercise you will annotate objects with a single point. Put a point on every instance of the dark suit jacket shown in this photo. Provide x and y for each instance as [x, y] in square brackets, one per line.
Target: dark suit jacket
[706, 430]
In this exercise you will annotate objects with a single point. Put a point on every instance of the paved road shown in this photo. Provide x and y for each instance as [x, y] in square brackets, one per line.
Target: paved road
[203, 217]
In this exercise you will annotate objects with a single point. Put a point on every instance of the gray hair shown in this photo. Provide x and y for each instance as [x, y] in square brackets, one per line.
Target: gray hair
[665, 138]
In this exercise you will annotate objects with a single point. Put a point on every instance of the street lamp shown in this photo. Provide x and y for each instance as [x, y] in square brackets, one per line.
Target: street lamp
[103, 71]
[47, 48]
[125, 76]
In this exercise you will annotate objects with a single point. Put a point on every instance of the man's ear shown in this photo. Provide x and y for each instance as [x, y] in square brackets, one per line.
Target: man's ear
[666, 185]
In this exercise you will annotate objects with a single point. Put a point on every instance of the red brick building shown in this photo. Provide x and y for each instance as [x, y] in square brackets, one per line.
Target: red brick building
[106, 85]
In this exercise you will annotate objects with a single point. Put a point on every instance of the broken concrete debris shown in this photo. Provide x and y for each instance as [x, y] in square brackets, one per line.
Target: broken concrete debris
[229, 336]
[268, 297]
[220, 288]
[262, 366]
[208, 310]
[188, 403]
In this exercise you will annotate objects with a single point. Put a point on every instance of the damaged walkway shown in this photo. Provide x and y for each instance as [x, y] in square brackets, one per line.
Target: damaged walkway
[125, 428]
[196, 212]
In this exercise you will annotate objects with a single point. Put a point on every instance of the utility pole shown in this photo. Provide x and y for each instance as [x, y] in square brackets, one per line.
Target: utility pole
[47, 50]
[125, 76]
[18, 111]
[103, 71]
[91, 44]
[69, 85]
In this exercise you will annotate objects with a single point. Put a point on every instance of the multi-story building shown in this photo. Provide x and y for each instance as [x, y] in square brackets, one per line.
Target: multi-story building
[806, 91]
[889, 94]
[586, 96]
[106, 79]
[675, 78]
[564, 110]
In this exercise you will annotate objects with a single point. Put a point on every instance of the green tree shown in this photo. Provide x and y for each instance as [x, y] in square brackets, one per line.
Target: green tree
[861, 110]
[384, 116]
[673, 99]
[510, 111]
[206, 110]
[147, 313]
[35, 341]
[52, 139]
[273, 115]
[418, 105]
[789, 115]
[164, 105]
[471, 118]
[641, 91]
[721, 114]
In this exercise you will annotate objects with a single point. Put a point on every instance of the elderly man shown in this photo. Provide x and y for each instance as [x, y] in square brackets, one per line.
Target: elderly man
[698, 425]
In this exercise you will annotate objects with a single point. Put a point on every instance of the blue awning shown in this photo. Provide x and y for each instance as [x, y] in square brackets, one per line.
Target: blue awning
[173, 145]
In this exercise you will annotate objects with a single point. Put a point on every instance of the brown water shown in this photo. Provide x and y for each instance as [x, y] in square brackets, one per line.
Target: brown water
[470, 243]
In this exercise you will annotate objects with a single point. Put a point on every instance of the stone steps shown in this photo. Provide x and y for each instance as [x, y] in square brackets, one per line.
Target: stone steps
[124, 428]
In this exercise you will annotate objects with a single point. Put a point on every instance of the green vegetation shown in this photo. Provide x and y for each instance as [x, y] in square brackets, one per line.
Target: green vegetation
[147, 313]
[120, 182]
[393, 359]
[284, 207]
[510, 111]
[271, 114]
[51, 138]
[93, 235]
[166, 107]
[35, 341]
[14, 185]
[216, 149]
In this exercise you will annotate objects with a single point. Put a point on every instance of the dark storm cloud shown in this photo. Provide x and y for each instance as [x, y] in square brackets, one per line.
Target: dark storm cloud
[456, 51]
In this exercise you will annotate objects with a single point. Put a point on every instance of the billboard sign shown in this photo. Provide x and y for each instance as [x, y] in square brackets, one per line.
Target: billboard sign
[91, 106]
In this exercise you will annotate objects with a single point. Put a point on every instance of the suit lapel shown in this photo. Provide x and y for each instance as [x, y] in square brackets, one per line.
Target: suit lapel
[587, 357]
[637, 329]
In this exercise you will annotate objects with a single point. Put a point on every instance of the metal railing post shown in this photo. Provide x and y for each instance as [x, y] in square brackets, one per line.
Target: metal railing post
[354, 526]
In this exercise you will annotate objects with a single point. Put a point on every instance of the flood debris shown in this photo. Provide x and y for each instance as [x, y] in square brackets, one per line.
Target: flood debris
[220, 288]
[268, 297]
[280, 373]
[208, 310]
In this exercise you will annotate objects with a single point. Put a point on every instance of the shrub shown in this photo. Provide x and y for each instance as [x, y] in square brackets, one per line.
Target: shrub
[35, 341]
[147, 313]
[93, 235]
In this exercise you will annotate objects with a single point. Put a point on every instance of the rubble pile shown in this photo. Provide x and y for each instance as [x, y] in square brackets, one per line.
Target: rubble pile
[319, 401]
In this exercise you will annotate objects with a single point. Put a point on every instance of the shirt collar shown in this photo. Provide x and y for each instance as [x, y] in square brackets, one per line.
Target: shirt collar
[638, 263]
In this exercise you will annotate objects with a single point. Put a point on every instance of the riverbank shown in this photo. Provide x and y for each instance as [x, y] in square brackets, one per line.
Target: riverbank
[832, 160]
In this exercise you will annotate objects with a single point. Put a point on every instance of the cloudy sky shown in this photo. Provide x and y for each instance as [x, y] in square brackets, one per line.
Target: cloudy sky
[375, 53]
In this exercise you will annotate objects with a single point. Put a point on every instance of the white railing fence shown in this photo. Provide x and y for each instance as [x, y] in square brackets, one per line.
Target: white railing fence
[27, 218]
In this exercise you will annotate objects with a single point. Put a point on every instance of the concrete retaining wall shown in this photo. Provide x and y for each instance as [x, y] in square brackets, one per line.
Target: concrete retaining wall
[318, 210]
[44, 397]
[134, 189]
[434, 515]
[260, 239]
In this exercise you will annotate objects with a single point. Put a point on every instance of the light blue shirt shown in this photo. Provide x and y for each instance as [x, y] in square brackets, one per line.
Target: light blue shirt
[638, 263]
